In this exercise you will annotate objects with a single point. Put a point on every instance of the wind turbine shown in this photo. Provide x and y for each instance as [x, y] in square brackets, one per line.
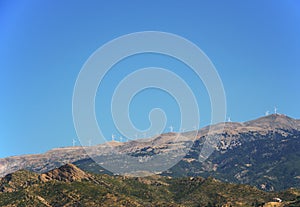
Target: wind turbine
[275, 109]
[229, 120]
[113, 137]
[74, 142]
[171, 128]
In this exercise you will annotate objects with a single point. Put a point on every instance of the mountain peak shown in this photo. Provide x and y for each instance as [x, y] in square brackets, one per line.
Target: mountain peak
[66, 173]
[281, 121]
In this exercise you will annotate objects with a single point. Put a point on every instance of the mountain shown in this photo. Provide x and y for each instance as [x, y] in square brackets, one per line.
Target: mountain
[263, 153]
[70, 186]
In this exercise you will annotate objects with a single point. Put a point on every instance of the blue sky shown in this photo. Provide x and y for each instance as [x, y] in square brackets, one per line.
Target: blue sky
[254, 46]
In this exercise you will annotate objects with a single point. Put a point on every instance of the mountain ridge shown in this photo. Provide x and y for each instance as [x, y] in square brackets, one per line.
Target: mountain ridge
[264, 143]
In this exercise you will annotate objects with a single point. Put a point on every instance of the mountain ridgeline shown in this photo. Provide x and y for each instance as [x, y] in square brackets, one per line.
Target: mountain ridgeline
[263, 153]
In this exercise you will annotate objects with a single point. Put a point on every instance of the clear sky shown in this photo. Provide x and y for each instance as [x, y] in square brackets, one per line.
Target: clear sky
[254, 45]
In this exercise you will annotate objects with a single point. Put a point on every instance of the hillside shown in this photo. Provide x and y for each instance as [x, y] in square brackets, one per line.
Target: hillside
[70, 186]
[263, 153]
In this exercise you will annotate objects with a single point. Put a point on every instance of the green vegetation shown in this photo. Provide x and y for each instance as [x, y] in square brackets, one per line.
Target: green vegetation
[27, 189]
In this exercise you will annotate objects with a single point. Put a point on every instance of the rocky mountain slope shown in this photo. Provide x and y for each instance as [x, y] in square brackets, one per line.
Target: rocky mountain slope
[70, 186]
[263, 153]
[23, 179]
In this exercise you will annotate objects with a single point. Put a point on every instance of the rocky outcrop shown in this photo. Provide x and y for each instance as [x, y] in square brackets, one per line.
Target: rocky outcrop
[66, 173]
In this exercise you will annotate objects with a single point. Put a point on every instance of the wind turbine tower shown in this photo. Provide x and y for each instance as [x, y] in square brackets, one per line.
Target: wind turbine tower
[112, 137]
[73, 142]
[275, 109]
